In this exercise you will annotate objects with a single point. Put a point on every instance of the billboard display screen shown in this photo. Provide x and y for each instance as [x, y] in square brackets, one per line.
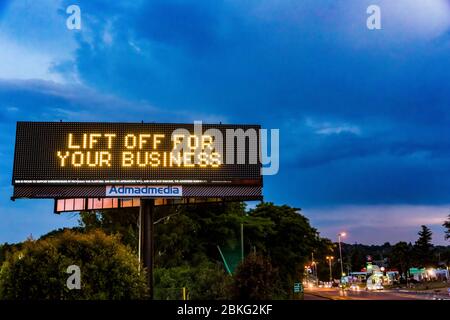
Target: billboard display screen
[83, 153]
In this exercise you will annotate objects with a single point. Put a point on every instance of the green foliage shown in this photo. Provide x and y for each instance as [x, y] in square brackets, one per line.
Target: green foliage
[446, 225]
[423, 249]
[109, 270]
[188, 239]
[186, 254]
[204, 282]
[357, 258]
[288, 239]
[401, 257]
[122, 221]
[255, 279]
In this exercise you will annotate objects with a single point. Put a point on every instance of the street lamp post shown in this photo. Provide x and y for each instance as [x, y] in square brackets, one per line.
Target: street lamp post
[342, 234]
[314, 268]
[329, 263]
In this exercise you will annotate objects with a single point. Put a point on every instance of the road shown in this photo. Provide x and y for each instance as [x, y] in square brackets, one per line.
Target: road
[337, 294]
[308, 296]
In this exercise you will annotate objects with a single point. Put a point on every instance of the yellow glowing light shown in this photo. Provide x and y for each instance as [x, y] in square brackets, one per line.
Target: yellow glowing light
[63, 158]
[84, 141]
[77, 159]
[177, 140]
[110, 136]
[203, 161]
[90, 151]
[187, 159]
[154, 157]
[175, 158]
[138, 159]
[133, 141]
[105, 158]
[92, 139]
[89, 160]
[142, 140]
[207, 142]
[70, 143]
[193, 142]
[127, 159]
[156, 140]
[215, 160]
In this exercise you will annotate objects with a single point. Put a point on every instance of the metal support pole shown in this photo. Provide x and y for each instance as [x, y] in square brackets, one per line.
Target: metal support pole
[329, 263]
[242, 242]
[147, 240]
[340, 256]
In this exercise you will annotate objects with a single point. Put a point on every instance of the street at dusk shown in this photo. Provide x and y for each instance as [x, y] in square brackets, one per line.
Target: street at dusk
[339, 294]
[225, 158]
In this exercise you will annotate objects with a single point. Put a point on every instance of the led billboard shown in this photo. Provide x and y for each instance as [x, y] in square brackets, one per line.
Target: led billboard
[151, 158]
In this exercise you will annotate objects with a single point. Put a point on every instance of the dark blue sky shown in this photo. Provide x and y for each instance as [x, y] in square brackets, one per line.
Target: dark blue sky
[363, 114]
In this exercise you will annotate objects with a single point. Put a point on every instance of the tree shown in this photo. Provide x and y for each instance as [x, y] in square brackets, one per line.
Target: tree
[122, 221]
[447, 226]
[401, 258]
[255, 279]
[423, 249]
[109, 269]
[357, 258]
[191, 234]
[288, 240]
[204, 282]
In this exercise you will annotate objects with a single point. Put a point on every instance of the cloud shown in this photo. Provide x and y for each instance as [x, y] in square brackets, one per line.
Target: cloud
[52, 101]
[12, 109]
[33, 37]
[327, 128]
[18, 62]
[379, 223]
[377, 101]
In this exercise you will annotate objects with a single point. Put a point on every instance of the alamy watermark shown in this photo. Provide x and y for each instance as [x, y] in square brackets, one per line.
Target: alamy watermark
[373, 22]
[73, 22]
[74, 280]
[241, 146]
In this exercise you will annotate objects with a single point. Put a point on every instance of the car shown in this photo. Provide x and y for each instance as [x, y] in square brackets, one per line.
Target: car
[355, 287]
[376, 286]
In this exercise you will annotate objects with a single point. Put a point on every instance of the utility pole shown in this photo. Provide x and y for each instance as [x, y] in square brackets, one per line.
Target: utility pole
[343, 234]
[314, 270]
[329, 258]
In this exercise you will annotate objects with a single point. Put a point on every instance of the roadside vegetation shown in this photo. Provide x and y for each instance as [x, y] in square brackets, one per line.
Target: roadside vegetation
[197, 255]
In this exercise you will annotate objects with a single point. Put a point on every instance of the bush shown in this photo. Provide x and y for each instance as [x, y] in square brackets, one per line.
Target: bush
[255, 279]
[204, 282]
[109, 270]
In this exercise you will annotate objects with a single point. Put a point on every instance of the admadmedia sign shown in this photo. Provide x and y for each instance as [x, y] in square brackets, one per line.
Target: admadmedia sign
[144, 191]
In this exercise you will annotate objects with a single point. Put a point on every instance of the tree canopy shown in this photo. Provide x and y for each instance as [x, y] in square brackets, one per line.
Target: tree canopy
[109, 269]
[423, 248]
[446, 225]
[191, 234]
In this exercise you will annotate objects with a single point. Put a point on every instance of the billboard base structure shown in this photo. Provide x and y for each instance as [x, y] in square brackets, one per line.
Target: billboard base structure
[243, 192]
[93, 204]
[146, 240]
[146, 220]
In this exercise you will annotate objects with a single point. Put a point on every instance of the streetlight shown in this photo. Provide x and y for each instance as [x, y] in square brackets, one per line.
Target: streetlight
[342, 234]
[329, 258]
[314, 271]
